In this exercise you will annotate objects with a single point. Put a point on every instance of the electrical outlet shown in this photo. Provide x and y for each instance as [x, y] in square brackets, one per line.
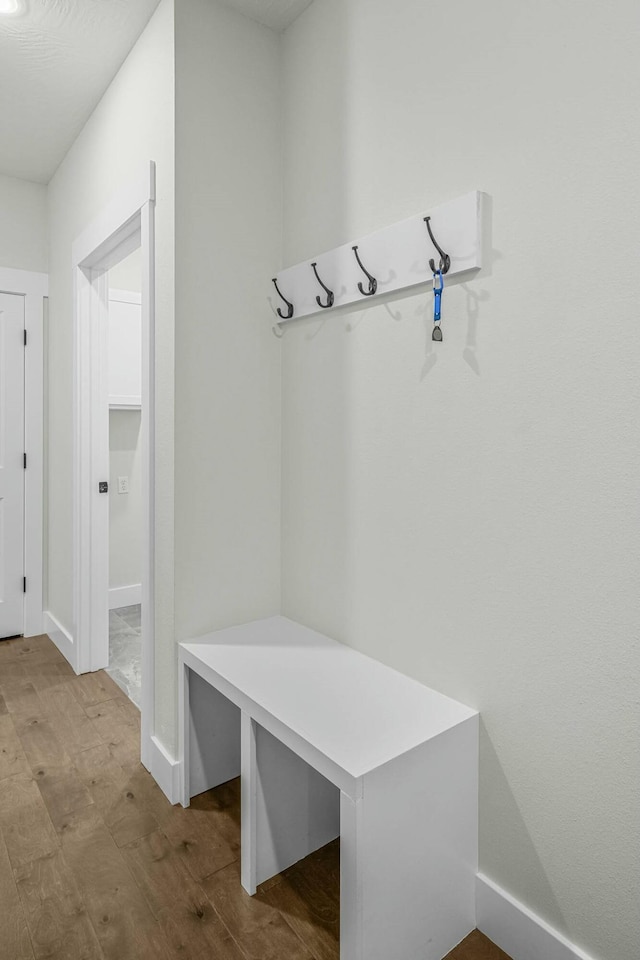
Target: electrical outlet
[123, 484]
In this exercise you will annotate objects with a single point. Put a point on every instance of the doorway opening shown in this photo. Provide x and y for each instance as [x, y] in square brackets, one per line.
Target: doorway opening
[113, 531]
[124, 378]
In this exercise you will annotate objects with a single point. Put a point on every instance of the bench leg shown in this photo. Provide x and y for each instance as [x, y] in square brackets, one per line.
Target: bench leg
[209, 732]
[248, 853]
[408, 853]
[288, 808]
[351, 854]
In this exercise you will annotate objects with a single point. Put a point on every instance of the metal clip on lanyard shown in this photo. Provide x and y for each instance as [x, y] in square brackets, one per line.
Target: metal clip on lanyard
[437, 304]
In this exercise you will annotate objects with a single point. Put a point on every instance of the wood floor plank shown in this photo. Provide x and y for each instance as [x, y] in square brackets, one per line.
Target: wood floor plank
[191, 925]
[123, 741]
[128, 710]
[477, 947]
[148, 791]
[93, 688]
[317, 877]
[3, 706]
[308, 897]
[12, 758]
[15, 942]
[33, 657]
[115, 728]
[56, 914]
[24, 821]
[224, 802]
[73, 727]
[150, 795]
[61, 788]
[40, 649]
[21, 697]
[7, 650]
[10, 650]
[193, 833]
[38, 739]
[49, 674]
[122, 919]
[114, 711]
[257, 926]
[11, 672]
[116, 794]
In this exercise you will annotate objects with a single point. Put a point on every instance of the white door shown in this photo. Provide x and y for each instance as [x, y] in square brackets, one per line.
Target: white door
[11, 464]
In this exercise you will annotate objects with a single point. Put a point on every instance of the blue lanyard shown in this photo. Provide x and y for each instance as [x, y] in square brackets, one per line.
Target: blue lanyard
[437, 303]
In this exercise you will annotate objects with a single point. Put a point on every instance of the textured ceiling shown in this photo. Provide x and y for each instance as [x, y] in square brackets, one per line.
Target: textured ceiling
[277, 14]
[56, 61]
[59, 57]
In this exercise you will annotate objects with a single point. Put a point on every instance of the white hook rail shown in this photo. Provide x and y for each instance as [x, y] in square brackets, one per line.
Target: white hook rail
[397, 256]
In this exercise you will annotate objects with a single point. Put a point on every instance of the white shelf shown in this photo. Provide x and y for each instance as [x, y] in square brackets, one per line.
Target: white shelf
[125, 403]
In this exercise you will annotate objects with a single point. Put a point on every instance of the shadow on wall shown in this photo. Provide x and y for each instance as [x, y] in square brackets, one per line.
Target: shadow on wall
[500, 816]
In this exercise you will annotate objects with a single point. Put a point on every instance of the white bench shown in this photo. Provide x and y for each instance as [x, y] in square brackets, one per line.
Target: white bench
[329, 743]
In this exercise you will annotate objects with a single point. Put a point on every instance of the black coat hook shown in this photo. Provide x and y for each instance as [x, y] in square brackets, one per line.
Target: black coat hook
[289, 313]
[445, 259]
[329, 293]
[373, 283]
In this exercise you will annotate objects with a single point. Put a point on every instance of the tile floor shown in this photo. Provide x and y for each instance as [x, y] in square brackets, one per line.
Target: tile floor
[125, 649]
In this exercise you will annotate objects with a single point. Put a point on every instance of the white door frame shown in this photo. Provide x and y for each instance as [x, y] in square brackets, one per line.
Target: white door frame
[34, 287]
[128, 222]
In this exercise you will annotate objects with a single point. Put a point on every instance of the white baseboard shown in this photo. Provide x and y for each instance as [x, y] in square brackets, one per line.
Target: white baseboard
[61, 637]
[516, 929]
[125, 596]
[164, 770]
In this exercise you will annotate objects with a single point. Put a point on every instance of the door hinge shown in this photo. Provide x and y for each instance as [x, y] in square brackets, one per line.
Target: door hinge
[25, 338]
[24, 584]
[24, 461]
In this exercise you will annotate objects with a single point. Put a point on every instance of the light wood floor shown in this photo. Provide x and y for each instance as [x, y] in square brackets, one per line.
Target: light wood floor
[95, 862]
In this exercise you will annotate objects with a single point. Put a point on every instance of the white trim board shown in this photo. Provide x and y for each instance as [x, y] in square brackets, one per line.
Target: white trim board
[34, 287]
[164, 770]
[517, 930]
[60, 636]
[114, 225]
[125, 403]
[125, 596]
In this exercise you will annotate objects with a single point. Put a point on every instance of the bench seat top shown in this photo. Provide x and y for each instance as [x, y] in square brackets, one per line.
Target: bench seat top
[354, 710]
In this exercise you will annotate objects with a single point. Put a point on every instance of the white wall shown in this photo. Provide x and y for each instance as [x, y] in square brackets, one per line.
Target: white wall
[133, 124]
[468, 511]
[127, 275]
[23, 225]
[228, 234]
[125, 509]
